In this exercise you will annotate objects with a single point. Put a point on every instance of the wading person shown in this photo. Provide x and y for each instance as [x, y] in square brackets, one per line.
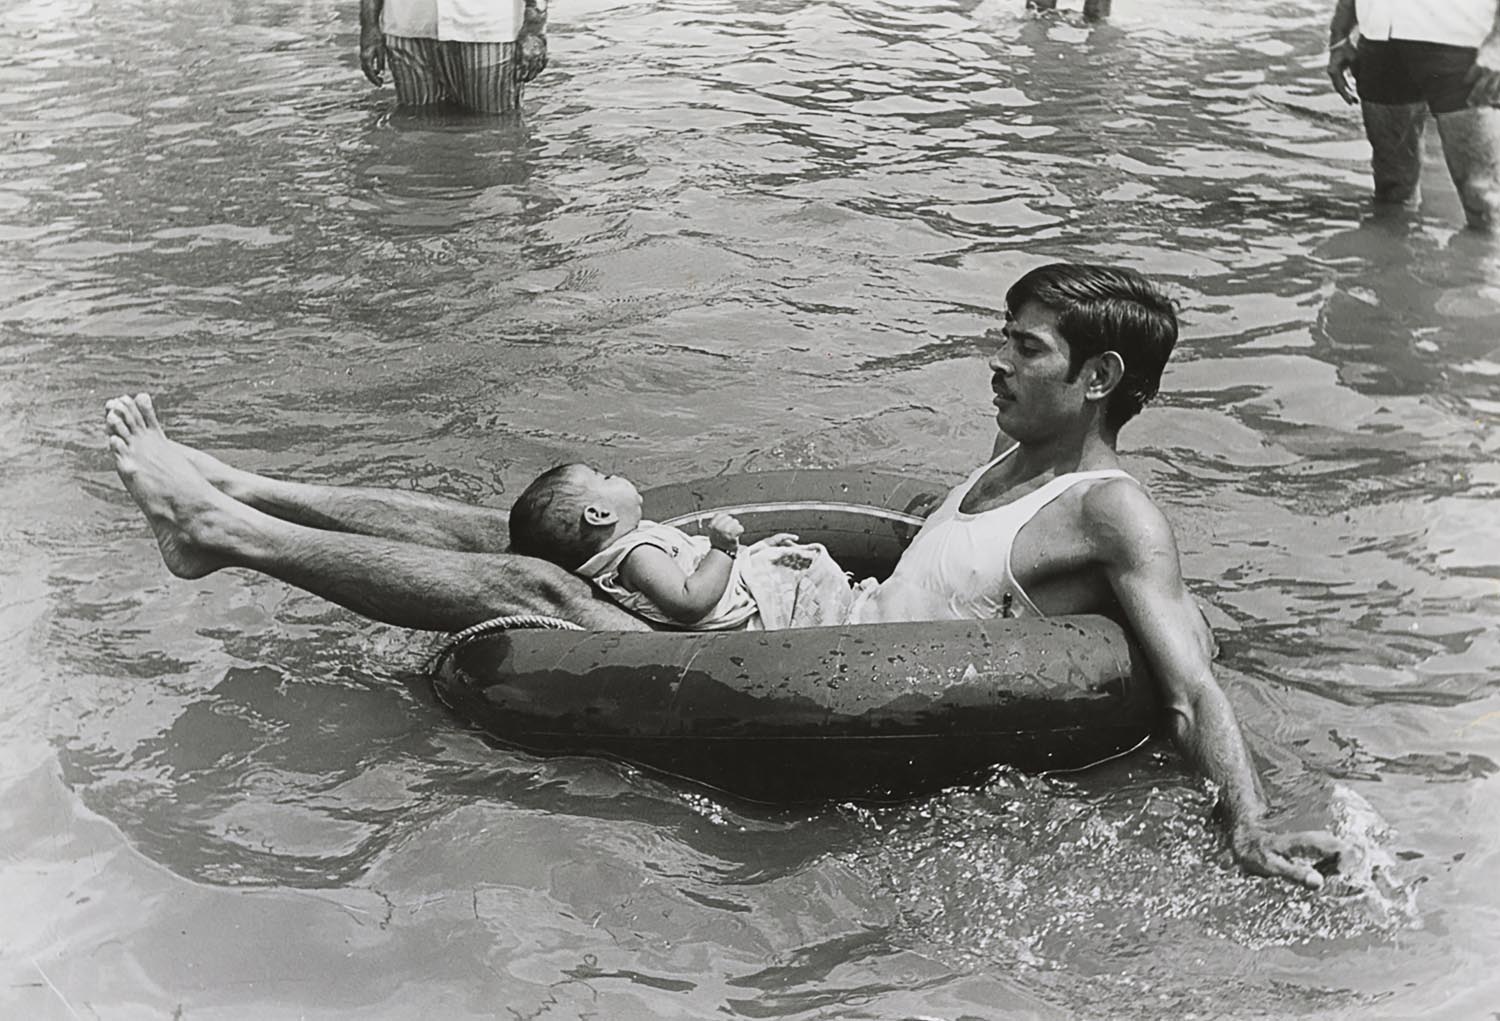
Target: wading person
[1053, 525]
[1414, 58]
[475, 54]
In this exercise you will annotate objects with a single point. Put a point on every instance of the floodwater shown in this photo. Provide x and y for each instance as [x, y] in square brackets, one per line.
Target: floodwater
[727, 235]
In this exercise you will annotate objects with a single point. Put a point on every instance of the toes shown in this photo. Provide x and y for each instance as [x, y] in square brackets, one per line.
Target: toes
[131, 414]
[114, 424]
[148, 411]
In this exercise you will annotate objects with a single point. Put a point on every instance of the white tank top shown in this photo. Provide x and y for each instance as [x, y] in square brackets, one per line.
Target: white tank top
[958, 566]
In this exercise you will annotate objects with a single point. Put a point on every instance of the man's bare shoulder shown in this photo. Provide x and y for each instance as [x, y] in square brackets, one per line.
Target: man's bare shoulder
[1124, 523]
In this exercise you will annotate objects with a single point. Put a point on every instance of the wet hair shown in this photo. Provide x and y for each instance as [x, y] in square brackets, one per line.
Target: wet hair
[1106, 308]
[546, 521]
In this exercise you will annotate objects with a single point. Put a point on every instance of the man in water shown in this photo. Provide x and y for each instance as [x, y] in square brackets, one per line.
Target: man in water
[475, 54]
[1413, 57]
[1052, 525]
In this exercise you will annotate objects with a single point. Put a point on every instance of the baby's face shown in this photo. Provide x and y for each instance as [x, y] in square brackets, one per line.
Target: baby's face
[613, 492]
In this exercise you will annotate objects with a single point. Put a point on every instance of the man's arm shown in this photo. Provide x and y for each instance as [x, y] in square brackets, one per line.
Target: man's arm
[1134, 543]
[371, 42]
[534, 17]
[1341, 50]
[1485, 74]
[531, 44]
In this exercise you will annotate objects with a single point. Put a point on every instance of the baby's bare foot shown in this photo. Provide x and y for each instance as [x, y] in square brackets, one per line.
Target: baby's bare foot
[179, 502]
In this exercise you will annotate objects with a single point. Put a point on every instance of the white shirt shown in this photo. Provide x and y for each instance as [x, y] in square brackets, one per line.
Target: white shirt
[467, 21]
[958, 566]
[1454, 22]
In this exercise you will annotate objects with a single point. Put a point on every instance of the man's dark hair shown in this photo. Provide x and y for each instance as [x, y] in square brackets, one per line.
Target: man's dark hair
[1106, 308]
[546, 520]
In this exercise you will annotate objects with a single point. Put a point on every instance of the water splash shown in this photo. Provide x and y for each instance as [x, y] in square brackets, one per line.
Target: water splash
[1119, 893]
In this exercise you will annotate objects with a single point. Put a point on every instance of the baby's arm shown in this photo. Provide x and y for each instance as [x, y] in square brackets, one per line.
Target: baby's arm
[686, 598]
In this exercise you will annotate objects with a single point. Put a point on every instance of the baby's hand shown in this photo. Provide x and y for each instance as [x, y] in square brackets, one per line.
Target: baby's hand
[724, 531]
[779, 539]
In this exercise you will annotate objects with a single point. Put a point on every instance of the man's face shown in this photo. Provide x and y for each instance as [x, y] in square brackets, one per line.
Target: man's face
[1033, 398]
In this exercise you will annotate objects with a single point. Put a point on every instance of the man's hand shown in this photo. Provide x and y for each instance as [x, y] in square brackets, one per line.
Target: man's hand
[1265, 853]
[1341, 70]
[372, 52]
[531, 54]
[1484, 76]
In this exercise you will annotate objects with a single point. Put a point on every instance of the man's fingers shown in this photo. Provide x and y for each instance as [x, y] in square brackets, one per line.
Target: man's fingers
[1294, 856]
[372, 62]
[1484, 85]
[1342, 84]
[1486, 91]
[1278, 866]
[1304, 874]
[1312, 846]
[1315, 844]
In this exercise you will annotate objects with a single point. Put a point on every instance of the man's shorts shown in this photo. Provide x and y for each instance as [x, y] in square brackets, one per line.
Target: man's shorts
[1400, 72]
[477, 76]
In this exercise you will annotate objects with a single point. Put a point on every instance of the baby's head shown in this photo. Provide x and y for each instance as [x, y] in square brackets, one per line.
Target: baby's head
[571, 512]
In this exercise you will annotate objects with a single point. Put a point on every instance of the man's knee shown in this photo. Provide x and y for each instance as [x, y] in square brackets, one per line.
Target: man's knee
[1481, 202]
[1471, 146]
[1395, 136]
[525, 585]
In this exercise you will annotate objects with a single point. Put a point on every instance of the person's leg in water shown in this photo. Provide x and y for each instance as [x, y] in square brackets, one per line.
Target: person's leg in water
[1395, 135]
[415, 71]
[1394, 108]
[1471, 147]
[485, 77]
[1093, 10]
[200, 529]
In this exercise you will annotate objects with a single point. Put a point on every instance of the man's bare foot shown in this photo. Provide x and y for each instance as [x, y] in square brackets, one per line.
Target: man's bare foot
[181, 505]
[220, 475]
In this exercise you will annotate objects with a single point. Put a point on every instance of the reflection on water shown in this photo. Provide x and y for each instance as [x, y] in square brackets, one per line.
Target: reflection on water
[725, 235]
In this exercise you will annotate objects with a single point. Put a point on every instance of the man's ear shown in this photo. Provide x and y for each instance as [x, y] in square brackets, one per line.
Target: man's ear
[598, 516]
[1108, 370]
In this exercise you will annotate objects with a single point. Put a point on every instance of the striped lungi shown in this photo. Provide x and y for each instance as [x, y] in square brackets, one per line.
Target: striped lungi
[478, 76]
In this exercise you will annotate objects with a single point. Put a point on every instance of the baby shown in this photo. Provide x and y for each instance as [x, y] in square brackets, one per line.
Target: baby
[590, 523]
